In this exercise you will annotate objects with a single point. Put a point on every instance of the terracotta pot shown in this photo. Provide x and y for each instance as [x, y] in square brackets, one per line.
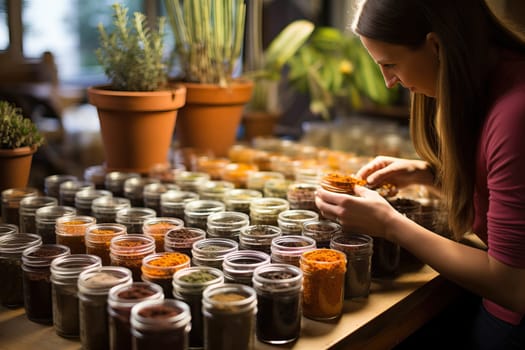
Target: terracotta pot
[16, 167]
[136, 127]
[212, 115]
[259, 124]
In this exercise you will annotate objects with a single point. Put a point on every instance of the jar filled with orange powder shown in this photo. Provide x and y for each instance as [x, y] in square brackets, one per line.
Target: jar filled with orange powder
[70, 231]
[128, 251]
[157, 228]
[98, 238]
[159, 268]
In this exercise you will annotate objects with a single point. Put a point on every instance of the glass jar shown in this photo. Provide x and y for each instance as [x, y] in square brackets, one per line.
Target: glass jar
[36, 276]
[215, 189]
[211, 251]
[157, 228]
[28, 207]
[133, 218]
[288, 249]
[302, 196]
[70, 231]
[321, 231]
[237, 173]
[11, 203]
[239, 199]
[159, 268]
[181, 239]
[227, 224]
[11, 249]
[64, 291]
[68, 189]
[229, 316]
[152, 193]
[121, 299]
[7, 229]
[128, 251]
[291, 221]
[323, 283]
[105, 209]
[188, 285]
[84, 199]
[258, 237]
[358, 249]
[238, 266]
[52, 184]
[134, 189]
[114, 181]
[257, 179]
[173, 202]
[277, 188]
[278, 288]
[98, 239]
[196, 212]
[45, 220]
[160, 324]
[93, 289]
[212, 166]
[97, 175]
[191, 180]
[265, 210]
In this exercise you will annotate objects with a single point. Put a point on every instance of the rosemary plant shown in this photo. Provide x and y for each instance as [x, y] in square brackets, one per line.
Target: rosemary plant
[208, 38]
[133, 54]
[16, 130]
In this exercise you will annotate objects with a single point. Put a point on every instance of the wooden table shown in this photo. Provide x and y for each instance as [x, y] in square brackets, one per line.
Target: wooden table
[394, 309]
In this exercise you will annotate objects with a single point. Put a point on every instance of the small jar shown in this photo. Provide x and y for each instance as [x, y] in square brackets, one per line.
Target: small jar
[45, 220]
[114, 181]
[165, 173]
[196, 212]
[160, 324]
[11, 203]
[288, 249]
[277, 188]
[159, 268]
[121, 299]
[229, 316]
[212, 166]
[257, 179]
[278, 288]
[84, 199]
[71, 230]
[237, 173]
[173, 202]
[52, 184]
[157, 228]
[191, 180]
[8, 229]
[98, 238]
[211, 251]
[265, 211]
[358, 249]
[321, 231]
[188, 285]
[97, 175]
[226, 224]
[36, 267]
[215, 189]
[181, 239]
[128, 251]
[105, 209]
[323, 283]
[152, 193]
[302, 196]
[239, 199]
[28, 207]
[133, 218]
[11, 249]
[134, 189]
[64, 287]
[291, 221]
[258, 237]
[93, 289]
[238, 266]
[68, 189]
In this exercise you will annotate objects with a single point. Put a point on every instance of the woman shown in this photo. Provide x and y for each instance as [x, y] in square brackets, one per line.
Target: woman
[467, 80]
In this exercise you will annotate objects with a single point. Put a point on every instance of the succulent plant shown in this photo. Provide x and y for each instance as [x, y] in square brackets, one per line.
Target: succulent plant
[16, 130]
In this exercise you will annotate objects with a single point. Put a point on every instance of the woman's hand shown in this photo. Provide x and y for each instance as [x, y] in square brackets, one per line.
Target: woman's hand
[396, 171]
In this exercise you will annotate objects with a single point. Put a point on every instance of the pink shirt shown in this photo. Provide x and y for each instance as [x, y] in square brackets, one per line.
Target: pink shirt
[499, 196]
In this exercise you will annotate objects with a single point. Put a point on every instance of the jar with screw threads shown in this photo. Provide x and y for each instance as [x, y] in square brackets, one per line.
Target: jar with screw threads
[239, 199]
[114, 181]
[84, 199]
[134, 189]
[133, 218]
[152, 193]
[238, 266]
[181, 239]
[52, 184]
[8, 229]
[211, 251]
[157, 227]
[11, 199]
[159, 268]
[97, 175]
[71, 230]
[321, 231]
[191, 180]
[27, 211]
[265, 210]
[291, 221]
[302, 196]
[98, 239]
[196, 212]
[105, 209]
[257, 179]
[215, 189]
[128, 251]
[173, 202]
[277, 188]
[45, 220]
[226, 224]
[68, 189]
[258, 237]
[288, 249]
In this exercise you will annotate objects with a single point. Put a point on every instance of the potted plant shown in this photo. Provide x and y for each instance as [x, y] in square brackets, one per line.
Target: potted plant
[138, 110]
[19, 140]
[208, 40]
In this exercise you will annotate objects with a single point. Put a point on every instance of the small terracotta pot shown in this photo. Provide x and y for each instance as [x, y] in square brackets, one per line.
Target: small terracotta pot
[16, 167]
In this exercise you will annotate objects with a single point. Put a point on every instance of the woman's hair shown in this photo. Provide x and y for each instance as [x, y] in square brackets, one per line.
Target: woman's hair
[445, 130]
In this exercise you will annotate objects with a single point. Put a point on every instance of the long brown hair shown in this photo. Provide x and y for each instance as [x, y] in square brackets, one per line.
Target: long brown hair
[445, 130]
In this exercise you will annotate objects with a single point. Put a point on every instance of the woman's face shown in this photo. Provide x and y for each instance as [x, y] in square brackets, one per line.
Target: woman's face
[415, 69]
